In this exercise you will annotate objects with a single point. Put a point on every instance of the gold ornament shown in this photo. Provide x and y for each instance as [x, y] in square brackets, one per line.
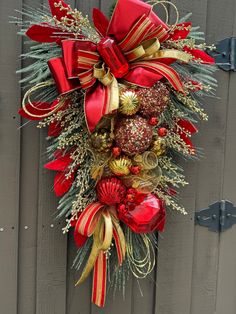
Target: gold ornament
[120, 166]
[129, 103]
[146, 182]
[159, 147]
[101, 141]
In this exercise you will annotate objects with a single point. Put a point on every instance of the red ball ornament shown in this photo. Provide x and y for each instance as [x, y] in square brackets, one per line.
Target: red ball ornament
[135, 169]
[133, 135]
[111, 191]
[147, 216]
[153, 121]
[162, 132]
[116, 151]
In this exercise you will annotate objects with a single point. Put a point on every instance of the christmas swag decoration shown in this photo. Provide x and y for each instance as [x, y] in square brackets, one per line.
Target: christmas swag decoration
[121, 101]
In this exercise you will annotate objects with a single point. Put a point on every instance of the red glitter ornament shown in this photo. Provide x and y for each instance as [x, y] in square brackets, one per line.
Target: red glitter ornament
[149, 215]
[133, 135]
[162, 132]
[111, 191]
[153, 101]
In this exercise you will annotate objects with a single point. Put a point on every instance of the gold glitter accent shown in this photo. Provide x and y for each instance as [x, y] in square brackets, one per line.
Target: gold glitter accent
[129, 103]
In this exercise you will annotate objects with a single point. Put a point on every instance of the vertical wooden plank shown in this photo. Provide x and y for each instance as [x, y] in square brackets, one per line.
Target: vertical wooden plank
[178, 264]
[51, 246]
[226, 295]
[51, 243]
[210, 174]
[28, 208]
[9, 158]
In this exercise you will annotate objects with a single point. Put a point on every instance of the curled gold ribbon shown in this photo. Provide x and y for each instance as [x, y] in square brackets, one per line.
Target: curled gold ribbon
[163, 4]
[103, 75]
[26, 99]
[140, 266]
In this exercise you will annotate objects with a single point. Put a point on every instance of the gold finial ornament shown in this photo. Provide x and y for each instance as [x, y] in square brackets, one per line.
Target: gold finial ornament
[101, 141]
[120, 166]
[159, 147]
[129, 103]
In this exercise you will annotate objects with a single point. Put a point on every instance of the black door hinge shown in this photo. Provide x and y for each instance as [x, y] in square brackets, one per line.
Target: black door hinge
[225, 54]
[217, 217]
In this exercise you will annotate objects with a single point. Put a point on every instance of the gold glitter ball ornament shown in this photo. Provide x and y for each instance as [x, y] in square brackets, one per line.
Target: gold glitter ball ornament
[159, 147]
[120, 166]
[129, 103]
[101, 141]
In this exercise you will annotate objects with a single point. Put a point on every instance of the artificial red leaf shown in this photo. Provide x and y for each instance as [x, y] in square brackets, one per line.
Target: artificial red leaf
[56, 10]
[199, 54]
[62, 184]
[43, 33]
[100, 21]
[181, 33]
[54, 129]
[59, 164]
[79, 239]
[38, 109]
[188, 126]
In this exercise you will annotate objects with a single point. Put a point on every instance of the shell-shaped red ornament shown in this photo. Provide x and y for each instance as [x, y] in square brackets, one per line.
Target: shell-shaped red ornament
[111, 191]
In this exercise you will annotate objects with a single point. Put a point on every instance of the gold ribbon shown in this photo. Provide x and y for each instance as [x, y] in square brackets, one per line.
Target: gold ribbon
[150, 50]
[102, 74]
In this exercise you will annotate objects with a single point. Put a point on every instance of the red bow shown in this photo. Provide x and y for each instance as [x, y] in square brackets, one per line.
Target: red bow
[125, 51]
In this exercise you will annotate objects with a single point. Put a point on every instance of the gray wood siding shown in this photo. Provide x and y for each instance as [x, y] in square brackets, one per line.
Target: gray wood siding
[196, 269]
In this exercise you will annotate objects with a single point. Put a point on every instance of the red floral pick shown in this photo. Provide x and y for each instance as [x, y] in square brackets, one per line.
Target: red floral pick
[62, 184]
[79, 239]
[57, 11]
[200, 55]
[181, 31]
[188, 127]
[54, 129]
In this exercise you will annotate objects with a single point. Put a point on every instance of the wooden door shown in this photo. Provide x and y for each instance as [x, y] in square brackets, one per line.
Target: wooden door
[196, 270]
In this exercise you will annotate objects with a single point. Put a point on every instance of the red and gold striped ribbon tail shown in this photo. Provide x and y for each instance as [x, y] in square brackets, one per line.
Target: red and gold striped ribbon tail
[99, 280]
[170, 74]
[136, 34]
